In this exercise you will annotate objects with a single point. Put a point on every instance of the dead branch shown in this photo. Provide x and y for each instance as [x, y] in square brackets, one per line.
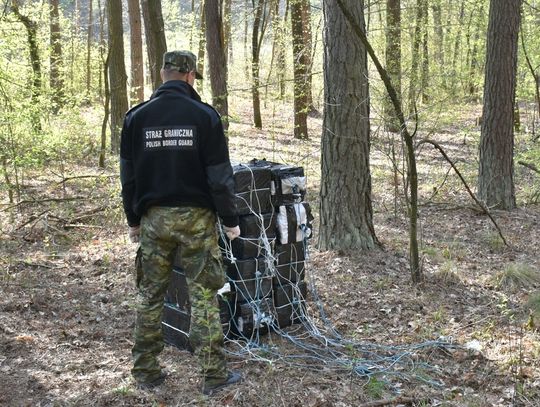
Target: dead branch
[81, 226]
[484, 208]
[32, 218]
[39, 201]
[65, 179]
[529, 166]
[390, 402]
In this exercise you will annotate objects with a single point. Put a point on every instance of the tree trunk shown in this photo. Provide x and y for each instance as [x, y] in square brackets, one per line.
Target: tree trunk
[308, 46]
[301, 62]
[346, 213]
[496, 171]
[255, 50]
[216, 59]
[424, 80]
[117, 72]
[227, 39]
[56, 81]
[474, 65]
[415, 58]
[102, 47]
[455, 57]
[89, 49]
[202, 41]
[35, 62]
[438, 55]
[393, 59]
[156, 45]
[137, 64]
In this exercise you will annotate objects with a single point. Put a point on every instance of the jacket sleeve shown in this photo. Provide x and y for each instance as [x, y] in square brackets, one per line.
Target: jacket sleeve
[127, 175]
[219, 174]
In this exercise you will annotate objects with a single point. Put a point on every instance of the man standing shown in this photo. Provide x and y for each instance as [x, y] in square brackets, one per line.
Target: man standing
[176, 175]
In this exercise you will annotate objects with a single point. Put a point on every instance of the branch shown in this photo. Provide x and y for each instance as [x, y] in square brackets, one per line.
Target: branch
[484, 208]
[85, 176]
[389, 402]
[529, 166]
[37, 201]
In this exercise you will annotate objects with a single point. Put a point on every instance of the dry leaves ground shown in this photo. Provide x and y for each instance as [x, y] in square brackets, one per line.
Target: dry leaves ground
[67, 291]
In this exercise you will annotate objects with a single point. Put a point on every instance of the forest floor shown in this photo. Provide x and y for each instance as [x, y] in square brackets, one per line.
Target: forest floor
[67, 290]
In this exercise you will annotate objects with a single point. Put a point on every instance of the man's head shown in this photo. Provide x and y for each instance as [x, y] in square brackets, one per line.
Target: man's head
[180, 65]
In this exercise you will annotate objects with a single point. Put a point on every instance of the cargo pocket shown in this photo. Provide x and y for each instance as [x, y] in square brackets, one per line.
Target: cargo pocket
[213, 275]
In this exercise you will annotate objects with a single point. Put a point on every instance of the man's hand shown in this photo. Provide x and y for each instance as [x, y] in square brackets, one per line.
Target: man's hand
[134, 233]
[232, 233]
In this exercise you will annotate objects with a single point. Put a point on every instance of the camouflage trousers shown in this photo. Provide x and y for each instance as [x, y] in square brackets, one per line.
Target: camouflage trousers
[192, 231]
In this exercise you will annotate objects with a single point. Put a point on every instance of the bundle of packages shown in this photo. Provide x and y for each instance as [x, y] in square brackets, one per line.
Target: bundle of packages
[265, 265]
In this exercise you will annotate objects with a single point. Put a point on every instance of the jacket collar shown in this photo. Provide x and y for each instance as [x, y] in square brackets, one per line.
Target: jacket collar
[176, 87]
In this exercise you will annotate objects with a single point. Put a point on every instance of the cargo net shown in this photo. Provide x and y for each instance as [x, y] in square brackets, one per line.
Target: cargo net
[268, 287]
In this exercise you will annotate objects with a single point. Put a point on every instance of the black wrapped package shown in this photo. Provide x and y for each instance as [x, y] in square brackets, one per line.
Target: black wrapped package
[290, 303]
[288, 182]
[252, 226]
[253, 316]
[255, 201]
[175, 326]
[248, 269]
[250, 279]
[252, 289]
[247, 248]
[290, 253]
[250, 177]
[290, 273]
[177, 293]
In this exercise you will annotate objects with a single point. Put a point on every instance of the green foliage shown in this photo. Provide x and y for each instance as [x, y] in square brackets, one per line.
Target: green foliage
[533, 304]
[493, 241]
[374, 388]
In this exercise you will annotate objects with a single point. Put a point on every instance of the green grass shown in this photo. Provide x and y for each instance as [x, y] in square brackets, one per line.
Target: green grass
[517, 275]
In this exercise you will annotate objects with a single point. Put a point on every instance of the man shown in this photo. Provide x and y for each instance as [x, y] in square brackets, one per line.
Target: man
[176, 174]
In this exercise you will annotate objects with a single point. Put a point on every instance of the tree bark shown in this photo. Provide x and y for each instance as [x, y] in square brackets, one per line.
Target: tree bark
[137, 64]
[438, 54]
[424, 79]
[457, 46]
[496, 170]
[55, 80]
[474, 65]
[217, 65]
[393, 59]
[345, 211]
[308, 46]
[414, 85]
[202, 41]
[89, 49]
[227, 39]
[301, 62]
[156, 44]
[256, 39]
[117, 72]
[35, 62]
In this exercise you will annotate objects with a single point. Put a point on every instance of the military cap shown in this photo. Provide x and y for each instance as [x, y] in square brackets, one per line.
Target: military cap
[183, 61]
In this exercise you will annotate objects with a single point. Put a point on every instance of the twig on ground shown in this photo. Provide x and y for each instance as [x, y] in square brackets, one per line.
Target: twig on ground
[390, 402]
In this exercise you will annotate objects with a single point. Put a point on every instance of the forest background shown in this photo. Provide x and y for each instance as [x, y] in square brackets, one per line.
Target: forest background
[66, 81]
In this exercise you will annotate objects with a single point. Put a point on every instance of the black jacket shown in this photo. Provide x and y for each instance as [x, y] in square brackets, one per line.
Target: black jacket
[173, 153]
